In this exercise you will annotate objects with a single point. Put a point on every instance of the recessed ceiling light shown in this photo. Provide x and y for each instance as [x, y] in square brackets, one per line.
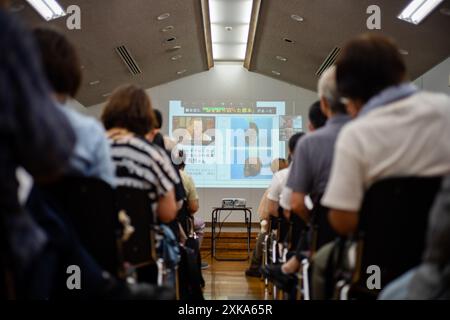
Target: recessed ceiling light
[93, 83]
[167, 29]
[276, 73]
[281, 58]
[403, 52]
[174, 48]
[288, 40]
[297, 18]
[445, 11]
[181, 71]
[418, 10]
[106, 95]
[163, 16]
[177, 57]
[171, 39]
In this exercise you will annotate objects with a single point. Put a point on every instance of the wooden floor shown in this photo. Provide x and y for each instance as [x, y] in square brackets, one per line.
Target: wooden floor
[225, 280]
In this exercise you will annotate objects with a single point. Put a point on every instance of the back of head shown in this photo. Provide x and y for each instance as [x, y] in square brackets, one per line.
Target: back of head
[327, 89]
[367, 65]
[293, 141]
[158, 119]
[278, 164]
[129, 107]
[60, 61]
[316, 116]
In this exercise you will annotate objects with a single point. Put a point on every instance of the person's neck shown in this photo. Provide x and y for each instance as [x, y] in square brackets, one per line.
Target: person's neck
[61, 98]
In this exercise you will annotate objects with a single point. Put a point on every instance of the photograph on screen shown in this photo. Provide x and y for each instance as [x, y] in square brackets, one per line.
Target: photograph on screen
[232, 145]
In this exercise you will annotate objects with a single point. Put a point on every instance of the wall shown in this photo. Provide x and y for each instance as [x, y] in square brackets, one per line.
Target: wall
[437, 79]
[227, 82]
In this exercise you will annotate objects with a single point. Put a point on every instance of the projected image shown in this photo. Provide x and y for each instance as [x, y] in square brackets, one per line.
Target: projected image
[197, 127]
[290, 125]
[257, 153]
[232, 145]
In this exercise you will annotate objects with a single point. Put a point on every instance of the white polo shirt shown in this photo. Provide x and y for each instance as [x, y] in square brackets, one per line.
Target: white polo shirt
[279, 180]
[409, 137]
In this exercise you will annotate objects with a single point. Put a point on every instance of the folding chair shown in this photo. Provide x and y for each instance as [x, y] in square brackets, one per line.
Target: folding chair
[87, 205]
[391, 233]
[139, 251]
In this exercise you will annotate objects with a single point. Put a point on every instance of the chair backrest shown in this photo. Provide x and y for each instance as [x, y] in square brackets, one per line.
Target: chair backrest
[87, 204]
[139, 249]
[323, 233]
[393, 224]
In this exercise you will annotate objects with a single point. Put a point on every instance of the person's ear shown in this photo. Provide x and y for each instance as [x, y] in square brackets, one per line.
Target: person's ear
[353, 107]
[325, 107]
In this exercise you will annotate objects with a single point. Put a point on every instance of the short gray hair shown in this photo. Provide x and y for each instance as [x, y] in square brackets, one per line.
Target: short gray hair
[327, 87]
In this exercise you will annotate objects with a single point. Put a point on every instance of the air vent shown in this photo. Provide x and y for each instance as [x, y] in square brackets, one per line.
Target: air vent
[329, 61]
[128, 59]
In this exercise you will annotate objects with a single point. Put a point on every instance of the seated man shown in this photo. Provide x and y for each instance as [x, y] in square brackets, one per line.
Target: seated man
[91, 156]
[264, 216]
[398, 131]
[312, 164]
[192, 203]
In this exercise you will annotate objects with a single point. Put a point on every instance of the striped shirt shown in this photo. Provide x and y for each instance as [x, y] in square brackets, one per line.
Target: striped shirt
[142, 165]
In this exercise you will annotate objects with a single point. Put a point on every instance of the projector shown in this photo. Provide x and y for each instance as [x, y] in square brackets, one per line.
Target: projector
[233, 203]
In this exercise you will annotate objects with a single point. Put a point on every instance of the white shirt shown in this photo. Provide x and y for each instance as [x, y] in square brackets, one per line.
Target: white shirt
[279, 180]
[409, 137]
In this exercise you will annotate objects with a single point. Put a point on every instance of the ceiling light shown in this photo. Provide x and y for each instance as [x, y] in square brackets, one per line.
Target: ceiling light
[48, 9]
[297, 18]
[167, 29]
[93, 83]
[106, 95]
[181, 71]
[227, 16]
[174, 48]
[163, 16]
[418, 10]
[403, 52]
[288, 40]
[168, 40]
[281, 58]
[177, 57]
[276, 73]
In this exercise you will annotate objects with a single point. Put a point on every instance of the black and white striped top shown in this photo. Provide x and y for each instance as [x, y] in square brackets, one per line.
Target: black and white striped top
[142, 165]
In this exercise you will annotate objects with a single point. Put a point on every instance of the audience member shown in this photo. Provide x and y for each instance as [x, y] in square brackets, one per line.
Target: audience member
[311, 166]
[139, 164]
[316, 117]
[91, 156]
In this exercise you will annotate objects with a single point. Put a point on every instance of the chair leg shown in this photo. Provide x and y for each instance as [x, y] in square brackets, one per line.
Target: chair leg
[305, 280]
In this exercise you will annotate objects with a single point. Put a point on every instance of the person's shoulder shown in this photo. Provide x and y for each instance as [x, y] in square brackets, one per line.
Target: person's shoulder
[85, 122]
[434, 99]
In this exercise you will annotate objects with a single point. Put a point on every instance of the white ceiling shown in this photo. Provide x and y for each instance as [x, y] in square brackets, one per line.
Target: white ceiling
[230, 21]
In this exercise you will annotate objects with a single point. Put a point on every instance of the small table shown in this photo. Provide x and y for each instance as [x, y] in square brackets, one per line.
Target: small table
[248, 223]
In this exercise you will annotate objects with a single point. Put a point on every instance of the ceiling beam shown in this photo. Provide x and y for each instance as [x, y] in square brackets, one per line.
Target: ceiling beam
[207, 33]
[252, 32]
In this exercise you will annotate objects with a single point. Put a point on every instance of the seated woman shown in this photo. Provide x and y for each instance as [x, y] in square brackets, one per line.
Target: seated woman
[128, 117]
[90, 157]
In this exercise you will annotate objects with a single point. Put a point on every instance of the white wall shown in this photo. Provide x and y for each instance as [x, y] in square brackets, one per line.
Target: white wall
[227, 82]
[437, 79]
